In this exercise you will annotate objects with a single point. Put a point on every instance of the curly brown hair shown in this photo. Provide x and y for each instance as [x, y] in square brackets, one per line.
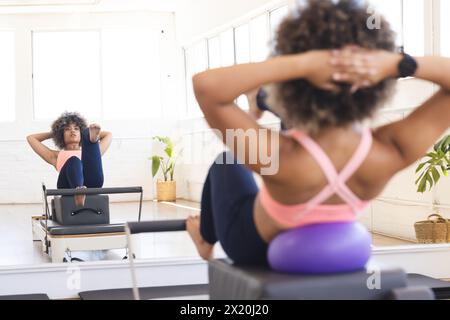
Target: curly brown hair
[62, 122]
[322, 25]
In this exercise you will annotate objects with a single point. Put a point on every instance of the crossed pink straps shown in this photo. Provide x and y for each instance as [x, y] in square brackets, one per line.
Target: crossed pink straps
[337, 182]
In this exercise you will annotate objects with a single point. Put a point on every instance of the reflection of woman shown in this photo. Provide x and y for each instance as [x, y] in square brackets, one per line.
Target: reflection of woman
[78, 161]
[330, 73]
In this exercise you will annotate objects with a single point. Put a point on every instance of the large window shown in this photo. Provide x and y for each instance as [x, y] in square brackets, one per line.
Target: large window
[259, 38]
[276, 17]
[66, 73]
[227, 48]
[113, 73]
[196, 61]
[392, 10]
[414, 27]
[242, 43]
[214, 54]
[407, 18]
[221, 50]
[7, 76]
[131, 74]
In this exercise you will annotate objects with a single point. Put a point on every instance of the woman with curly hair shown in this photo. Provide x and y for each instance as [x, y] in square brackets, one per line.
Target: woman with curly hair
[78, 159]
[329, 74]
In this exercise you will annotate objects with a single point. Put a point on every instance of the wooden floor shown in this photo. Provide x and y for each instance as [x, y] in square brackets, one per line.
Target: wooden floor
[17, 247]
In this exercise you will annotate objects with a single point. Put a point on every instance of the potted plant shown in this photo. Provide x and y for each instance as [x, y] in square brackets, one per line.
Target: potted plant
[435, 229]
[165, 189]
[437, 164]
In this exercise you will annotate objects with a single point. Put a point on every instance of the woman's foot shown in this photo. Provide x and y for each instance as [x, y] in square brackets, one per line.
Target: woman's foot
[94, 132]
[80, 198]
[204, 249]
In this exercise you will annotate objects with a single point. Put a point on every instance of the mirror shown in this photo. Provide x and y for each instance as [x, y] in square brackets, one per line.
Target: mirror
[128, 67]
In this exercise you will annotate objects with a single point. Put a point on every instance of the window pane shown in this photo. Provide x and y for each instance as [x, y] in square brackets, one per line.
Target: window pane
[131, 74]
[66, 73]
[242, 102]
[214, 52]
[227, 48]
[259, 39]
[276, 17]
[201, 58]
[414, 27]
[7, 76]
[190, 67]
[445, 28]
[392, 11]
[242, 43]
[196, 61]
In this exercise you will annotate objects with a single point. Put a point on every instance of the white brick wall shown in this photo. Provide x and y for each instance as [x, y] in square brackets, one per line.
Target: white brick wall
[125, 164]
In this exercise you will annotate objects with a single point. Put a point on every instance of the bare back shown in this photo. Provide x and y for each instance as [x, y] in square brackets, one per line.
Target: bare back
[300, 177]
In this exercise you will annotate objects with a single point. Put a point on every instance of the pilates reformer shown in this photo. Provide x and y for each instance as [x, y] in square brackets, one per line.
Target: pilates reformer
[231, 282]
[65, 228]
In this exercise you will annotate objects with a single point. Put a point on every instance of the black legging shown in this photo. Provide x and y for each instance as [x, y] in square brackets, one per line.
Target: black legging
[85, 172]
[226, 216]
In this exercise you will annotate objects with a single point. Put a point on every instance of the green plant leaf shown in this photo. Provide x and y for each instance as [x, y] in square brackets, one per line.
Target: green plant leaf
[436, 175]
[429, 170]
[156, 162]
[420, 167]
[169, 150]
[422, 185]
[421, 176]
[430, 181]
[161, 139]
[431, 155]
[447, 144]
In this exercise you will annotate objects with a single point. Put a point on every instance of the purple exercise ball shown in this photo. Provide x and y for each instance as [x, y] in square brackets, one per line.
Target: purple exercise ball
[321, 248]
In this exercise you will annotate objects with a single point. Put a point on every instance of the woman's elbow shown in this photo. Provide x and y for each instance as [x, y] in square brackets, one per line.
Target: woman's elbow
[200, 84]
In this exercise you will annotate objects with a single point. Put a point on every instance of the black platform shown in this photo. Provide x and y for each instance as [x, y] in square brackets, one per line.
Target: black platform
[146, 293]
[56, 229]
[440, 288]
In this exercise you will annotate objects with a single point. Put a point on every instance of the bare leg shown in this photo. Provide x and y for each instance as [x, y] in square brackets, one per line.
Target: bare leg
[204, 249]
[81, 198]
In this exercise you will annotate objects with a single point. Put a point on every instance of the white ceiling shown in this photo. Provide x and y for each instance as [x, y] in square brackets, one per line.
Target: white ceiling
[38, 6]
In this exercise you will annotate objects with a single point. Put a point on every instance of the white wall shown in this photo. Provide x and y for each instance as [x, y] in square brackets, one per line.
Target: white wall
[126, 163]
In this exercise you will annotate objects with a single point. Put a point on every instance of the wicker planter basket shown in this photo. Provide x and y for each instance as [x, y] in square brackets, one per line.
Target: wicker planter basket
[433, 230]
[166, 190]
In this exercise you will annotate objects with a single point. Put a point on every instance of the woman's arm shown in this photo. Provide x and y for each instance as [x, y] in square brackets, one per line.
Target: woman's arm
[217, 89]
[412, 137]
[35, 141]
[105, 141]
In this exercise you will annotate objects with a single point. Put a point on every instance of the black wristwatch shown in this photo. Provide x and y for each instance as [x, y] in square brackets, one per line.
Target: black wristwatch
[407, 66]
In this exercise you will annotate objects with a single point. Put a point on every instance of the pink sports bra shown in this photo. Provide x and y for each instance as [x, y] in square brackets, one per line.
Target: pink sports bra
[65, 155]
[314, 211]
